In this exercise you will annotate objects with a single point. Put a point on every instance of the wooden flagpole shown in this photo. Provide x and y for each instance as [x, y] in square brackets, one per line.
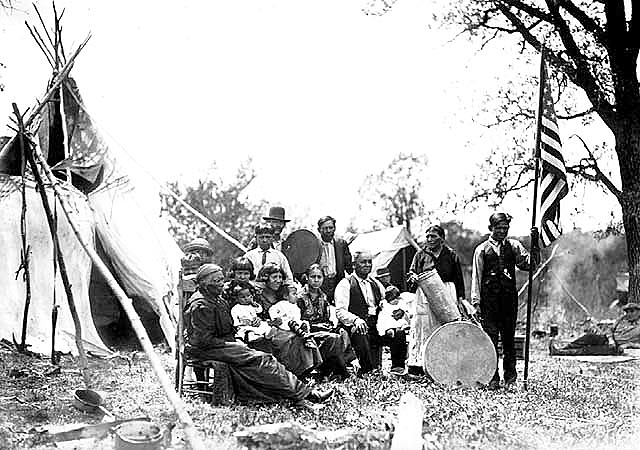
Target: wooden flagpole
[527, 338]
[178, 404]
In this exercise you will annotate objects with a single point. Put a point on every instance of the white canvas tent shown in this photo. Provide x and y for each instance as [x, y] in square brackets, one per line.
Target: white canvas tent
[108, 210]
[392, 248]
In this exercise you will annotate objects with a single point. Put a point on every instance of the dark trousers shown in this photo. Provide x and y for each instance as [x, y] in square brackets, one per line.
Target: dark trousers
[257, 376]
[499, 316]
[368, 347]
[329, 288]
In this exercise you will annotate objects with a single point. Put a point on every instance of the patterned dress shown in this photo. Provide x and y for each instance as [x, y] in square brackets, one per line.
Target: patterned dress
[335, 345]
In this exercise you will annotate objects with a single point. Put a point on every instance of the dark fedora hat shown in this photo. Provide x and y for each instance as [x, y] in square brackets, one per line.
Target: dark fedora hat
[276, 213]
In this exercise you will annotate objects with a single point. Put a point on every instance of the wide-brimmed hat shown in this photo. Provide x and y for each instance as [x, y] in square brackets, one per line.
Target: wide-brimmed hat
[198, 244]
[276, 213]
[631, 305]
[383, 272]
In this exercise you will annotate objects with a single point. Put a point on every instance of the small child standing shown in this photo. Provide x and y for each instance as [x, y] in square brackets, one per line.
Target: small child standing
[245, 313]
[393, 315]
[289, 314]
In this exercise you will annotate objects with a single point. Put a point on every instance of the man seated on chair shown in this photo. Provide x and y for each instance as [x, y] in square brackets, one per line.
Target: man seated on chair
[358, 299]
[210, 335]
[625, 334]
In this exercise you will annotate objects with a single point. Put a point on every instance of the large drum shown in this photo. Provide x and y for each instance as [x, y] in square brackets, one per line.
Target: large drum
[460, 353]
[442, 305]
[302, 248]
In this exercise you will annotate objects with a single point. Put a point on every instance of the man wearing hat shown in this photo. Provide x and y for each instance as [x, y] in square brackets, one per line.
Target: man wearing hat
[335, 257]
[276, 218]
[625, 333]
[383, 275]
[493, 289]
[210, 335]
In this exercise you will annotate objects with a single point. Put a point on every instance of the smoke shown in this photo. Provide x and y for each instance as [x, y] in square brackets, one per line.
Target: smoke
[581, 276]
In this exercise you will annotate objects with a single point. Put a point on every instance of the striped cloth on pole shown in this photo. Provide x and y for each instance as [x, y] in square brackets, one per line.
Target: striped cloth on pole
[553, 173]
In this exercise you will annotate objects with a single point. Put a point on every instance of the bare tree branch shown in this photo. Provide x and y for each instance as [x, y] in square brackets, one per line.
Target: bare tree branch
[600, 176]
[582, 76]
[585, 20]
[577, 115]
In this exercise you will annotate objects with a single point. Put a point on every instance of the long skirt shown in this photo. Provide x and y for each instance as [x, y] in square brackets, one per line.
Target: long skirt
[257, 376]
[336, 351]
[289, 349]
[424, 322]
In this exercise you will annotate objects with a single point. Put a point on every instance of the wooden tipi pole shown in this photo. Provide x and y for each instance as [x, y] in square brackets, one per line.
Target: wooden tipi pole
[178, 404]
[54, 236]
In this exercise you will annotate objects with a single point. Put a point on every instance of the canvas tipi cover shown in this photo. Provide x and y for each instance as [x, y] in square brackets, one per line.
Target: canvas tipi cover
[107, 208]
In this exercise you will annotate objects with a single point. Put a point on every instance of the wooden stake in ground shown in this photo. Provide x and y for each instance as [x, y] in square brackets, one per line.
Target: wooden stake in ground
[177, 403]
[408, 430]
[25, 248]
[54, 236]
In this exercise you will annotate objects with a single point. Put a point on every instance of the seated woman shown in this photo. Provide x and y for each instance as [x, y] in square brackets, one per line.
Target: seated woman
[625, 334]
[334, 342]
[210, 335]
[286, 346]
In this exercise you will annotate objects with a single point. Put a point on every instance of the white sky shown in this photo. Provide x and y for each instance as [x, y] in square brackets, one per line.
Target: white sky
[317, 92]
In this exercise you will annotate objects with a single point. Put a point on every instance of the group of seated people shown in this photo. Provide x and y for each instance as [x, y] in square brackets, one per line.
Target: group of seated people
[276, 332]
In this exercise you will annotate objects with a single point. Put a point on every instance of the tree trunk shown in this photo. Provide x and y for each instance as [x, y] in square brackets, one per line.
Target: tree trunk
[628, 150]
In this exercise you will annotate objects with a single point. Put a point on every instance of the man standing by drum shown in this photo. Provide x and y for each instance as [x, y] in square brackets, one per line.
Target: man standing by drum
[493, 289]
[358, 299]
[335, 257]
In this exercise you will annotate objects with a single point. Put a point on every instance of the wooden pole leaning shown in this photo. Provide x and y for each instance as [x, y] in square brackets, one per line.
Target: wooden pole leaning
[55, 84]
[178, 404]
[84, 366]
[202, 217]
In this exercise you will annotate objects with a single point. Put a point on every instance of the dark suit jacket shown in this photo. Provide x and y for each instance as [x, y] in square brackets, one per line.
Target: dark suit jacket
[344, 262]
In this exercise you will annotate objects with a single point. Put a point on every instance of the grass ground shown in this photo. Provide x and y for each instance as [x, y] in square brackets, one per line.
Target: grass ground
[568, 405]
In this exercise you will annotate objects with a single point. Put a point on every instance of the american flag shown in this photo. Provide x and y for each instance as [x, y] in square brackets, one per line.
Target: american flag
[553, 174]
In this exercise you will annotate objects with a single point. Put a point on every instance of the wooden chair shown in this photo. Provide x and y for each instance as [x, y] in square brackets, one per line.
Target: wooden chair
[213, 380]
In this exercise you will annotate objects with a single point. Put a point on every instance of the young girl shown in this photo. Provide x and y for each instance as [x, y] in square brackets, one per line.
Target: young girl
[335, 345]
[245, 313]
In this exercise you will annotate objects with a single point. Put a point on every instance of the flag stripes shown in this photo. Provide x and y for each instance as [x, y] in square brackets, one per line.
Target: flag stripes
[553, 174]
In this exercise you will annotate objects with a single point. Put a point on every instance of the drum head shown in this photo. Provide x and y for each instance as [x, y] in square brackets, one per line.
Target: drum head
[302, 248]
[459, 353]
